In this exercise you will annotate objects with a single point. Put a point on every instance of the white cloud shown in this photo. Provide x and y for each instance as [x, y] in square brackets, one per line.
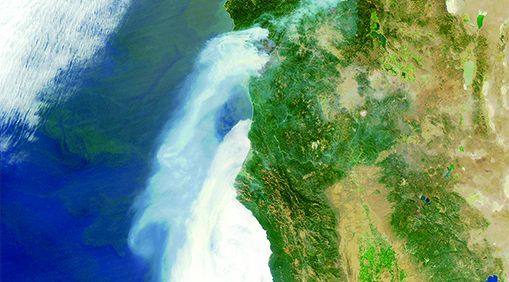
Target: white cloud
[224, 241]
[41, 38]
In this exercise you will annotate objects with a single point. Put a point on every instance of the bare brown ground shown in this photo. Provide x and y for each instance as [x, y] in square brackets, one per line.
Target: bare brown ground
[360, 188]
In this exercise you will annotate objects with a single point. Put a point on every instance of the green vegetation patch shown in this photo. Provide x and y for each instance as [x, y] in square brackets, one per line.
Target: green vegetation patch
[303, 140]
[480, 116]
[297, 153]
[378, 260]
[436, 231]
[245, 13]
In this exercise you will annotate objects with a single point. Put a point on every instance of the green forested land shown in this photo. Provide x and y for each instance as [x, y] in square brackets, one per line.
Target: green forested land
[435, 232]
[245, 13]
[299, 148]
[378, 261]
[284, 178]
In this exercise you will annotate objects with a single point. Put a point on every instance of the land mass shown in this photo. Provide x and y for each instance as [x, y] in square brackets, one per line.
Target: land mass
[380, 139]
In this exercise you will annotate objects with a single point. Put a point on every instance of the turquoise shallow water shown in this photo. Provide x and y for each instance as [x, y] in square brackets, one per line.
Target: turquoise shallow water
[66, 197]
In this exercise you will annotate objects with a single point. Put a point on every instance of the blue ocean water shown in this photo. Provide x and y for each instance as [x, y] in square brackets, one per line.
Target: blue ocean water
[236, 108]
[66, 195]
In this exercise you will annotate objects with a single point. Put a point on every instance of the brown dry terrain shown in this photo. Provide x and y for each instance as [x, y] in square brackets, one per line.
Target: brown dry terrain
[359, 192]
[482, 160]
